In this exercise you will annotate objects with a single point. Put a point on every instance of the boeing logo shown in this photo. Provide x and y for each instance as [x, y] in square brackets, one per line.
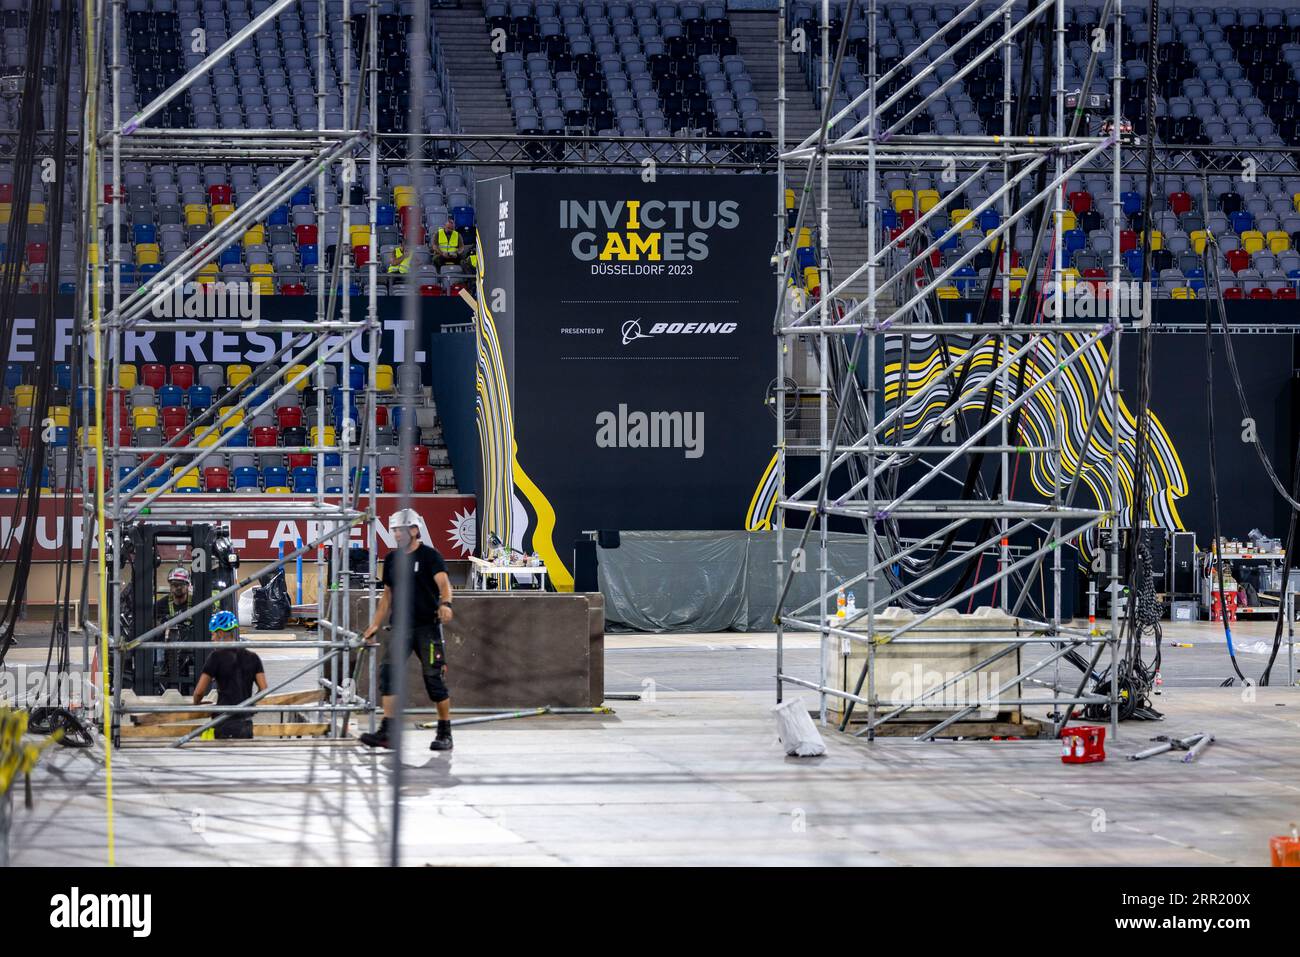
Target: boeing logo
[625, 429]
[632, 329]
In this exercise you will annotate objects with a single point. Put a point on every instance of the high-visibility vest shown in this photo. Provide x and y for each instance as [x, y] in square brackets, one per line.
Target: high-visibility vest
[401, 261]
[448, 243]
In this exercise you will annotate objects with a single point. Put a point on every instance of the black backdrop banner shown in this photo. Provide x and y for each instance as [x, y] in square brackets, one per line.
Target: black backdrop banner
[634, 323]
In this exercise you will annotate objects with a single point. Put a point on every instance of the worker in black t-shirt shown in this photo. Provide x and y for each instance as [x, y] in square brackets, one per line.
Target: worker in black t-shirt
[237, 671]
[415, 585]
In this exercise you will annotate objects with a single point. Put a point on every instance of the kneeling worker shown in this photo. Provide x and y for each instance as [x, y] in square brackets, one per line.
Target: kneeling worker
[236, 671]
[416, 577]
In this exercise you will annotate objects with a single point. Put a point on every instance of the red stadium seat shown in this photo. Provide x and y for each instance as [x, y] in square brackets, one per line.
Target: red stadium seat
[6, 193]
[456, 288]
[24, 436]
[296, 459]
[430, 289]
[219, 194]
[6, 416]
[1128, 239]
[1080, 201]
[293, 289]
[421, 479]
[907, 217]
[171, 431]
[1286, 292]
[109, 195]
[1233, 292]
[1238, 259]
[266, 436]
[361, 254]
[182, 375]
[289, 416]
[1261, 292]
[153, 375]
[419, 455]
[9, 479]
[37, 253]
[391, 476]
[1180, 203]
[305, 234]
[381, 415]
[174, 415]
[216, 478]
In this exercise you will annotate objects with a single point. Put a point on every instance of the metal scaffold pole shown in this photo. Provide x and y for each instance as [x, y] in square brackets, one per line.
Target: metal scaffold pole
[949, 443]
[135, 487]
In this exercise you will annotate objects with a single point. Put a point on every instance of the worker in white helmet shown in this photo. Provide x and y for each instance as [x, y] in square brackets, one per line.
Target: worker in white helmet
[417, 593]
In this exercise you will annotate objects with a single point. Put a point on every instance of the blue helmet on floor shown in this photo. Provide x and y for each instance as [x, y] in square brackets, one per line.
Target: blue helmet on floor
[223, 621]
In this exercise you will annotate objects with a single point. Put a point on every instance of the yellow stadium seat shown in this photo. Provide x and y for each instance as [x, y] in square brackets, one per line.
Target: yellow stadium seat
[803, 239]
[811, 278]
[6, 211]
[296, 370]
[1157, 239]
[221, 212]
[36, 214]
[60, 414]
[1069, 278]
[278, 490]
[209, 439]
[1068, 220]
[1278, 241]
[24, 396]
[1018, 275]
[1197, 237]
[144, 417]
[237, 373]
[359, 235]
[1183, 292]
[261, 269]
[789, 199]
[383, 378]
[88, 437]
[927, 199]
[148, 254]
[1295, 201]
[264, 285]
[1252, 240]
[403, 195]
[209, 273]
[196, 214]
[326, 439]
[955, 217]
[127, 376]
[948, 292]
[255, 235]
[902, 199]
[233, 419]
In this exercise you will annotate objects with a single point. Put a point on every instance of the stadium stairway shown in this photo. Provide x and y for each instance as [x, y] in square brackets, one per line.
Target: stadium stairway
[475, 73]
[756, 34]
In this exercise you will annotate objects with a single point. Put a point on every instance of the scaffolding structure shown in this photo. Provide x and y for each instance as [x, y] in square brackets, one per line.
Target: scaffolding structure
[914, 481]
[309, 352]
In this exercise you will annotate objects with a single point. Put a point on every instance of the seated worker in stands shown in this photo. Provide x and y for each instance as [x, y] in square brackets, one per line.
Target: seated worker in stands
[237, 671]
[416, 591]
[449, 248]
[401, 264]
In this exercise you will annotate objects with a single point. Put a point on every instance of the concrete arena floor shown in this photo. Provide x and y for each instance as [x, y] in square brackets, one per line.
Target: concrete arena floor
[695, 776]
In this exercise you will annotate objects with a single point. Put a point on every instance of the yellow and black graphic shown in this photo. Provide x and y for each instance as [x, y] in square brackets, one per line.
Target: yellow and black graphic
[1081, 388]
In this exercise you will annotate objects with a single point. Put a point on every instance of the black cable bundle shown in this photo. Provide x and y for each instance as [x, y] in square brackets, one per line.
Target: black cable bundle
[27, 502]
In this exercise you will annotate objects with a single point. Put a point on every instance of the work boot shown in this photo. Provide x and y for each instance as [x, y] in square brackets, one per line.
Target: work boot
[377, 738]
[442, 740]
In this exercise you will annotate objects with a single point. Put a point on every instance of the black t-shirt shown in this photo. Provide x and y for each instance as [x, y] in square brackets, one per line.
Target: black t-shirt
[235, 671]
[410, 576]
[165, 609]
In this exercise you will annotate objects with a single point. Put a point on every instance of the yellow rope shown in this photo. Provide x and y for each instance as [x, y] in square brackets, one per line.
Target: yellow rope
[96, 305]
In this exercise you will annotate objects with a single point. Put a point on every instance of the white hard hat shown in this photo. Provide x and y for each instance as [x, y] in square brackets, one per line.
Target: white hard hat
[403, 518]
[179, 574]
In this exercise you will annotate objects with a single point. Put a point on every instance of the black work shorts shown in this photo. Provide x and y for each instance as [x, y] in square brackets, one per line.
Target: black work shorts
[234, 728]
[425, 641]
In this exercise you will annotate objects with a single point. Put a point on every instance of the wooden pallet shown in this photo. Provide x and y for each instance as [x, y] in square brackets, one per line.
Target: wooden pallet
[1002, 728]
[165, 731]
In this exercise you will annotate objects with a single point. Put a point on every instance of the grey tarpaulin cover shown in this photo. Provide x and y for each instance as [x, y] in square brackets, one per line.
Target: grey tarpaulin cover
[712, 581]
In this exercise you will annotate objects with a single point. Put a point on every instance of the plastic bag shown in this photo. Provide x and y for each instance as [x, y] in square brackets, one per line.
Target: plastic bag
[271, 605]
[245, 608]
[796, 730]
